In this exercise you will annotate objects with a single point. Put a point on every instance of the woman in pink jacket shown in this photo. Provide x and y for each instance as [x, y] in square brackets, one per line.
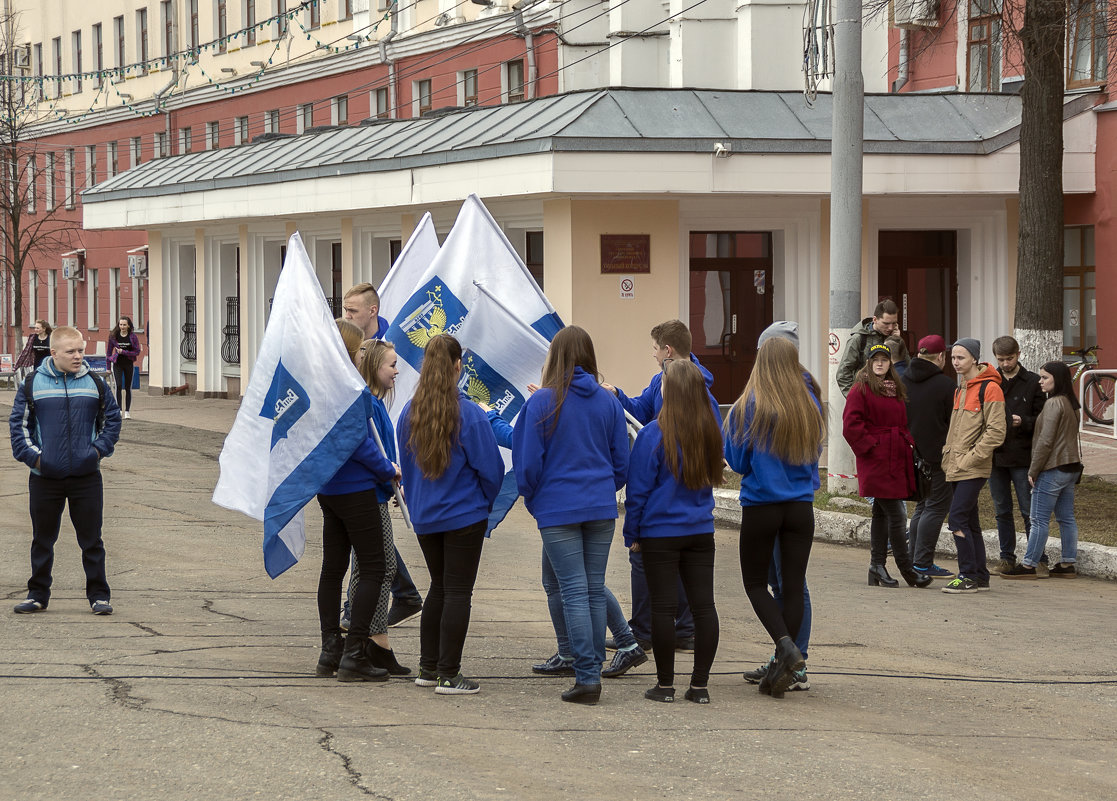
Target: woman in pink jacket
[875, 424]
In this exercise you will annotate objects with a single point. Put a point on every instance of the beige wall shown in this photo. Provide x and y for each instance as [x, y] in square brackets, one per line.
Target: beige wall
[585, 297]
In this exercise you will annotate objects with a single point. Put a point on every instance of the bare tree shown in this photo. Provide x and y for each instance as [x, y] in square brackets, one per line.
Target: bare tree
[33, 221]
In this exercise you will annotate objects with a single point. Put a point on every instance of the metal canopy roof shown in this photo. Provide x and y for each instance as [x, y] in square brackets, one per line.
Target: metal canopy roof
[603, 120]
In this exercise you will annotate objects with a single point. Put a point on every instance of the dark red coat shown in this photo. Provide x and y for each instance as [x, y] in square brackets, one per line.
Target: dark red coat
[876, 428]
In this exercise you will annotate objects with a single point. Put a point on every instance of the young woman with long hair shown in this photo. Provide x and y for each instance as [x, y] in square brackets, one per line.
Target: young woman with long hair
[452, 471]
[123, 351]
[1056, 466]
[352, 336]
[669, 518]
[875, 424]
[773, 438]
[570, 451]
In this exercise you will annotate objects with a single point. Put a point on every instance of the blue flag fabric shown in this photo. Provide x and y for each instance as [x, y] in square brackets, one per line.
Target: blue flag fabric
[304, 412]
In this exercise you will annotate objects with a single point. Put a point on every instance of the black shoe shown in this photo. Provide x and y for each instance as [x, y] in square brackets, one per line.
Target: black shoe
[684, 645]
[583, 694]
[403, 611]
[386, 658]
[624, 661]
[664, 695]
[328, 660]
[699, 695]
[555, 666]
[781, 675]
[355, 665]
[878, 577]
[754, 676]
[29, 606]
[915, 579]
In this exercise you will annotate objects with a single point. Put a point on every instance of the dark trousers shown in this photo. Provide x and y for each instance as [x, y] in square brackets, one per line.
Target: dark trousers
[792, 525]
[667, 562]
[1003, 482]
[350, 522]
[889, 524]
[964, 523]
[452, 558]
[122, 375]
[803, 638]
[641, 621]
[403, 588]
[49, 496]
[926, 520]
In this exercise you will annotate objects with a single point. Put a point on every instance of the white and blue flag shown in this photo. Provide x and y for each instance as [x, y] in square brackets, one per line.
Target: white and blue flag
[303, 414]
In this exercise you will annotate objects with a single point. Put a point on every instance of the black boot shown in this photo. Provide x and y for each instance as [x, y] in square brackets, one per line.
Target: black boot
[332, 645]
[386, 658]
[355, 665]
[914, 579]
[878, 577]
[583, 694]
[781, 674]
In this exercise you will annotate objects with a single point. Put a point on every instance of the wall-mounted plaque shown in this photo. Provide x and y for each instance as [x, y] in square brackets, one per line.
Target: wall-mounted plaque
[626, 253]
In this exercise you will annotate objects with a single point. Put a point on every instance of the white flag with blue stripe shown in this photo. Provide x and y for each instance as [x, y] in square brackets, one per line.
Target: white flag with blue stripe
[304, 412]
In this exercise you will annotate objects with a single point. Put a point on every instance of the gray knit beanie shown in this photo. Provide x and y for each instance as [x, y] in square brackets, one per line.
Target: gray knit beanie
[972, 345]
[787, 329]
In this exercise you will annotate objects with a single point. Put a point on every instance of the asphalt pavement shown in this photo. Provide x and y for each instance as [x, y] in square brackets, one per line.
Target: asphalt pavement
[202, 686]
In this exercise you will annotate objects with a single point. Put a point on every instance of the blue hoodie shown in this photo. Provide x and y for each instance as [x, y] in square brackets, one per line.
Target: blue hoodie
[656, 504]
[571, 474]
[366, 467]
[387, 433]
[464, 493]
[501, 429]
[764, 477]
[646, 407]
[63, 430]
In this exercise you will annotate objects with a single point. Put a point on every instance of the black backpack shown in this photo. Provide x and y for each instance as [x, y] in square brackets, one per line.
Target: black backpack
[29, 397]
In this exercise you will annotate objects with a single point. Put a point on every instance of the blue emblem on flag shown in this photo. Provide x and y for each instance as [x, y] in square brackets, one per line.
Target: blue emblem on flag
[480, 382]
[284, 404]
[431, 310]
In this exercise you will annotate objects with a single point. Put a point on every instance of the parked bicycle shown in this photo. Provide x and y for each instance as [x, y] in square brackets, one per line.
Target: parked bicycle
[1100, 390]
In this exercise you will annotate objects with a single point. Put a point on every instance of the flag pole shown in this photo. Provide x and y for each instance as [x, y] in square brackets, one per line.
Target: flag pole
[395, 484]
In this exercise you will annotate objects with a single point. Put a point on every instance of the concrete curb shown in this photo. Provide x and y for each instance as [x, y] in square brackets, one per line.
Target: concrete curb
[1095, 561]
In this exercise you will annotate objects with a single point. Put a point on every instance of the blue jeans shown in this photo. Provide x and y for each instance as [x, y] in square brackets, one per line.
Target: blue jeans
[614, 618]
[1053, 492]
[1003, 481]
[403, 588]
[579, 554]
[803, 638]
[641, 621]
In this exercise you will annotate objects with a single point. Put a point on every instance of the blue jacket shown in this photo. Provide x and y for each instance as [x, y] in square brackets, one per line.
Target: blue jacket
[646, 407]
[764, 478]
[387, 433]
[62, 431]
[464, 493]
[501, 429]
[367, 466]
[656, 504]
[572, 474]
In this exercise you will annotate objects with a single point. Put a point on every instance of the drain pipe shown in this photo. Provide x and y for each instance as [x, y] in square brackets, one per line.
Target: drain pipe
[902, 68]
[529, 46]
[383, 44]
[157, 97]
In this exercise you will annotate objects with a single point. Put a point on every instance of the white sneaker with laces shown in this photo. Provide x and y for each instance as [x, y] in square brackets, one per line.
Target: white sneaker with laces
[127, 415]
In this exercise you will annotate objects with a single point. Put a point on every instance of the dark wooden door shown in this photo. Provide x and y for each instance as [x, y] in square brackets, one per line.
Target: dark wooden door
[919, 270]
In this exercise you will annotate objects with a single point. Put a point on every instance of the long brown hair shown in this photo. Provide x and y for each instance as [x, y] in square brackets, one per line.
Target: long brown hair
[875, 383]
[435, 413]
[786, 420]
[377, 352]
[571, 348]
[351, 335]
[689, 427]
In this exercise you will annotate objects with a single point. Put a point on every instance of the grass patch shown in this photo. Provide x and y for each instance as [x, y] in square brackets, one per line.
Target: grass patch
[1095, 508]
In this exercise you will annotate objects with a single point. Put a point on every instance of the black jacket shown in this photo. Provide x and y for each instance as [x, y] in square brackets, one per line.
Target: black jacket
[1022, 397]
[930, 397]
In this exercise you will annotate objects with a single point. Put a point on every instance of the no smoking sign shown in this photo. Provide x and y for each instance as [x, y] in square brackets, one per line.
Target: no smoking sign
[628, 288]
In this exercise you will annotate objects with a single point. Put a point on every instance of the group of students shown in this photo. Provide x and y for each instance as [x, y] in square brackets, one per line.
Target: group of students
[570, 451]
[964, 430]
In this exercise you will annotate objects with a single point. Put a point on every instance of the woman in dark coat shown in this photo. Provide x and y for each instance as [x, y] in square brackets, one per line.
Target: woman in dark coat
[875, 424]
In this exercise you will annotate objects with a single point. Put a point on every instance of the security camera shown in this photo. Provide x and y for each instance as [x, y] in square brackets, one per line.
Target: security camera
[723, 150]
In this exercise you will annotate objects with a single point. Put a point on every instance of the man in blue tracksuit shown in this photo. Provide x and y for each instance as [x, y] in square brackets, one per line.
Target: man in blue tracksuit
[670, 340]
[62, 432]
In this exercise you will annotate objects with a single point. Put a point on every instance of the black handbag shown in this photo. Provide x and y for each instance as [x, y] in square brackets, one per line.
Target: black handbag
[923, 473]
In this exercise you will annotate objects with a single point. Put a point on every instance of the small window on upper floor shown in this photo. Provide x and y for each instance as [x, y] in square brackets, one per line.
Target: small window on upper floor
[213, 135]
[514, 81]
[1087, 44]
[339, 110]
[240, 131]
[983, 46]
[380, 103]
[467, 88]
[422, 95]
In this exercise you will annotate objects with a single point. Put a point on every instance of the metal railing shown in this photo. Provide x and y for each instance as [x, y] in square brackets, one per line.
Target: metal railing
[230, 334]
[1100, 397]
[188, 345]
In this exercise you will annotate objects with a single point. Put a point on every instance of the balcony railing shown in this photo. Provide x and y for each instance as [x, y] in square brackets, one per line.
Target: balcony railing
[188, 346]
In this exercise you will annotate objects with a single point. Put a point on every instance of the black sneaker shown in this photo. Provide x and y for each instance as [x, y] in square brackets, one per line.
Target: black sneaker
[664, 695]
[101, 608]
[29, 606]
[555, 666]
[1064, 570]
[623, 661]
[459, 685]
[754, 676]
[1019, 571]
[426, 679]
[684, 645]
[402, 611]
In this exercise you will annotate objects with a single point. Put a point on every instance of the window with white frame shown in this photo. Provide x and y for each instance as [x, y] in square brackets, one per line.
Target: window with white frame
[113, 165]
[345, 9]
[98, 54]
[39, 69]
[421, 97]
[185, 140]
[114, 295]
[240, 131]
[76, 59]
[92, 297]
[52, 296]
[32, 179]
[380, 103]
[213, 135]
[983, 46]
[339, 110]
[70, 177]
[250, 22]
[467, 88]
[56, 58]
[136, 155]
[281, 21]
[271, 121]
[167, 18]
[138, 303]
[118, 36]
[1087, 44]
[160, 144]
[141, 40]
[91, 165]
[222, 21]
[514, 81]
[32, 294]
[71, 304]
[50, 182]
[315, 13]
[304, 118]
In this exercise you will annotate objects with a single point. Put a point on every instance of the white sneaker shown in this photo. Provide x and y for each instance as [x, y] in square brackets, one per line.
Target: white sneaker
[127, 415]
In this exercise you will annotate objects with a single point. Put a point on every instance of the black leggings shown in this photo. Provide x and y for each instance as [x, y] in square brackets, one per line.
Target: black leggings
[122, 375]
[792, 524]
[452, 559]
[350, 522]
[666, 560]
